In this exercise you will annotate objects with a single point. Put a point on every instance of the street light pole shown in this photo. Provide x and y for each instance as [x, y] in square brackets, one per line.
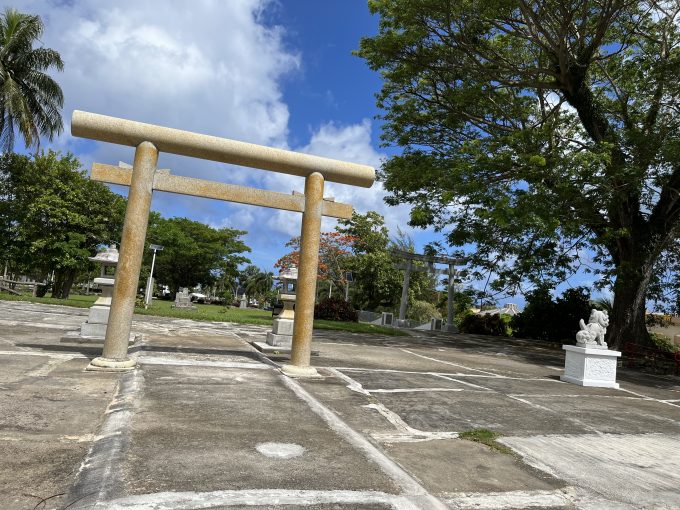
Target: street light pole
[348, 279]
[149, 283]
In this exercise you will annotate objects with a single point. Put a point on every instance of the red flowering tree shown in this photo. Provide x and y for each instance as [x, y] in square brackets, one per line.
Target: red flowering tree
[335, 250]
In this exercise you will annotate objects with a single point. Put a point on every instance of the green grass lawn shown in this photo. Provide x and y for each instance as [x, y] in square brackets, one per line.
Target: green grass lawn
[215, 313]
[73, 300]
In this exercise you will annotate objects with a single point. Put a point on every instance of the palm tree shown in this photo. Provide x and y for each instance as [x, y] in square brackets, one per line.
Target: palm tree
[259, 284]
[30, 100]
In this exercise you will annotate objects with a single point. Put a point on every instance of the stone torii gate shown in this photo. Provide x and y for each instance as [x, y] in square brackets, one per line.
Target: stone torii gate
[430, 260]
[149, 140]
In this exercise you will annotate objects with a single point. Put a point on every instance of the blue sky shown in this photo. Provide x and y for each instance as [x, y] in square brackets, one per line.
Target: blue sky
[274, 73]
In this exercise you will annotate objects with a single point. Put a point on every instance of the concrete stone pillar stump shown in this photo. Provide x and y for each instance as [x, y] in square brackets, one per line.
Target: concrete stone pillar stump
[94, 329]
[280, 338]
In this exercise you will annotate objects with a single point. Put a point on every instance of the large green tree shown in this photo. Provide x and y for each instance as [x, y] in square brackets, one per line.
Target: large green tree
[30, 100]
[377, 284]
[544, 132]
[52, 217]
[194, 253]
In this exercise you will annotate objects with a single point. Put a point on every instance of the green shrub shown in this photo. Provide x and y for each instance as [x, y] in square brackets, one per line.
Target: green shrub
[655, 320]
[495, 325]
[228, 297]
[336, 309]
[422, 311]
[663, 343]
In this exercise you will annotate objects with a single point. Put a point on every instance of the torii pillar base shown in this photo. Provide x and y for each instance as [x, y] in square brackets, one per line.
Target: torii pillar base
[111, 365]
[300, 372]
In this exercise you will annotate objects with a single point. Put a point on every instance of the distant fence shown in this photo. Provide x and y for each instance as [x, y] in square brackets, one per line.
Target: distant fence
[369, 317]
[11, 286]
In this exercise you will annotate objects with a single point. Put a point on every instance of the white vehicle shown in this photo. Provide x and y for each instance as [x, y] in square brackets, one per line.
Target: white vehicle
[197, 297]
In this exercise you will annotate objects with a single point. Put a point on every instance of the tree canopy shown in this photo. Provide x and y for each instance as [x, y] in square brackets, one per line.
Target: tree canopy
[30, 100]
[334, 251]
[377, 284]
[194, 253]
[543, 132]
[52, 217]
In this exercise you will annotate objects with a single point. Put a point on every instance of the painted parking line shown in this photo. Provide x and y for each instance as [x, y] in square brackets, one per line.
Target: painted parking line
[647, 397]
[412, 390]
[47, 354]
[412, 489]
[449, 363]
[448, 378]
[511, 499]
[447, 374]
[571, 419]
[153, 360]
[405, 433]
[357, 386]
[352, 385]
[576, 395]
[269, 498]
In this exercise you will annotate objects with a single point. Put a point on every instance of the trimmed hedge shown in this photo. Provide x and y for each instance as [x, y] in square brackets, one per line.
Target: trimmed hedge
[495, 325]
[336, 309]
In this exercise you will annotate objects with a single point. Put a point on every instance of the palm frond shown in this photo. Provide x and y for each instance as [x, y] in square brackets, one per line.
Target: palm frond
[30, 100]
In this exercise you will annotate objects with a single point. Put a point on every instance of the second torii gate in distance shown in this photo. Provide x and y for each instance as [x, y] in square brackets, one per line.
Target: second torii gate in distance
[430, 260]
[148, 141]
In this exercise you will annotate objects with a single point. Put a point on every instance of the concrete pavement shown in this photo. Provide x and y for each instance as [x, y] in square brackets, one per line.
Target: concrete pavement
[207, 422]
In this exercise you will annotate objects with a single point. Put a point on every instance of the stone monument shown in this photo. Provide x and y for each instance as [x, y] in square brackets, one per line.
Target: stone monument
[280, 338]
[590, 362]
[94, 329]
[183, 300]
[244, 302]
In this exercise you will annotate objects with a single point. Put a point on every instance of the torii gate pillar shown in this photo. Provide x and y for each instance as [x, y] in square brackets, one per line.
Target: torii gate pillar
[307, 277]
[115, 353]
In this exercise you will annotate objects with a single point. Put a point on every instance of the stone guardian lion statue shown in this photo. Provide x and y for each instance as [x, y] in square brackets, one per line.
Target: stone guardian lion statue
[592, 334]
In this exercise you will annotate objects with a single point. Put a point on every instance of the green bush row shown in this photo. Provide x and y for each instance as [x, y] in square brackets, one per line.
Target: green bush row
[543, 318]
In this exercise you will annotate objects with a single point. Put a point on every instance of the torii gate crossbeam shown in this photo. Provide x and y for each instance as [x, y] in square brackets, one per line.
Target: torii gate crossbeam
[149, 140]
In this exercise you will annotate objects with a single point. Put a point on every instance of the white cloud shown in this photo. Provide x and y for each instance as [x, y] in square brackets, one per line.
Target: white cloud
[348, 143]
[206, 66]
[202, 66]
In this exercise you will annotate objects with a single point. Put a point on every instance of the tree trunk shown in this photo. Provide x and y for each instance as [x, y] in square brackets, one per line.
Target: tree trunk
[57, 282]
[68, 283]
[627, 323]
[63, 280]
[41, 290]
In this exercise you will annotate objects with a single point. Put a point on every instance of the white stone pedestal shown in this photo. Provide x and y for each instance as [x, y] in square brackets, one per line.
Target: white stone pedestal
[281, 334]
[93, 331]
[590, 367]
